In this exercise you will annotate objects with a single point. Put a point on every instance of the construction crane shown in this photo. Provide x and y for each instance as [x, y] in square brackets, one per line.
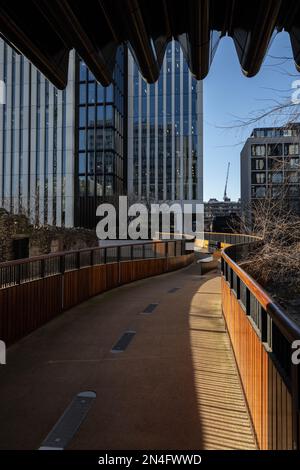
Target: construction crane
[225, 197]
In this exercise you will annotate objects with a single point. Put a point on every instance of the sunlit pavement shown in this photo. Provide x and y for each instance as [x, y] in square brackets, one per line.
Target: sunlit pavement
[175, 386]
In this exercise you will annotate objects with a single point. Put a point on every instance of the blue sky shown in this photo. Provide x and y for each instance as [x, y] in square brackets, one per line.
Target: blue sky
[229, 95]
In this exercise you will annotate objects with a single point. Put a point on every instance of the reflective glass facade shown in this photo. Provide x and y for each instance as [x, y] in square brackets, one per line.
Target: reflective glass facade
[101, 140]
[165, 138]
[62, 153]
[36, 142]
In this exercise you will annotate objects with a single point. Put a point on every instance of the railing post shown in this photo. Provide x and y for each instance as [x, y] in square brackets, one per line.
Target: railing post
[62, 264]
[166, 249]
[143, 248]
[42, 268]
[119, 254]
[131, 252]
[92, 257]
[18, 274]
[119, 266]
[105, 255]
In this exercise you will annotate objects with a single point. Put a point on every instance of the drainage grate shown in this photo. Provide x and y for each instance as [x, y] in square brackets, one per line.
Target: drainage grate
[69, 423]
[150, 308]
[123, 342]
[175, 289]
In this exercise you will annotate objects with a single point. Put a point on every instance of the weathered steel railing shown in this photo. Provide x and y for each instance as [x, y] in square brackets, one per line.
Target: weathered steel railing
[34, 290]
[262, 336]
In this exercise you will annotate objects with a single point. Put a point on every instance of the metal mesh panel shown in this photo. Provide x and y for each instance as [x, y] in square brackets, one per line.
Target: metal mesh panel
[52, 266]
[70, 261]
[85, 259]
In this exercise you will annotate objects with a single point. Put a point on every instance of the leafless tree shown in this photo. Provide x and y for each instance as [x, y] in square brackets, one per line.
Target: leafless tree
[275, 262]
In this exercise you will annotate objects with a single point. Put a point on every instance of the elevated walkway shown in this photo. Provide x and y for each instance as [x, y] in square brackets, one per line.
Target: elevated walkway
[175, 386]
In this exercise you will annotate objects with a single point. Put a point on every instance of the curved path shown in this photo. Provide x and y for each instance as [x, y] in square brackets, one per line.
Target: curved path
[175, 386]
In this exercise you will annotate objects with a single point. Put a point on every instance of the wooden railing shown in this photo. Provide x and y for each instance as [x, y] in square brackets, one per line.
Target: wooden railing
[35, 290]
[262, 335]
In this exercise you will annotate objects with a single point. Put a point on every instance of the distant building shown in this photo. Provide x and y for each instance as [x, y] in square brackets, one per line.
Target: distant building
[165, 136]
[220, 216]
[269, 159]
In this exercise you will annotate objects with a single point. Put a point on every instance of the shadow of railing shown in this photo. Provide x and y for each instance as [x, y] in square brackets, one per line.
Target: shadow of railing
[262, 336]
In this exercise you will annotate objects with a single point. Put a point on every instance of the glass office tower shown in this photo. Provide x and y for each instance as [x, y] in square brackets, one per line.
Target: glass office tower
[165, 136]
[61, 152]
[36, 142]
[101, 155]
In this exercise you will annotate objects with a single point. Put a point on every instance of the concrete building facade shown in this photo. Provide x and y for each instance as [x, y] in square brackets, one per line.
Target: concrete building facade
[269, 161]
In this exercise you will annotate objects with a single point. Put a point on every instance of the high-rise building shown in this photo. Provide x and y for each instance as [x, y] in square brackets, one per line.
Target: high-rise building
[36, 142]
[165, 137]
[270, 165]
[101, 128]
[61, 152]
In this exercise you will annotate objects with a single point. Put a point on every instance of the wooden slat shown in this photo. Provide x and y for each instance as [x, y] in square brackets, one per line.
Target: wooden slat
[25, 307]
[289, 426]
[267, 396]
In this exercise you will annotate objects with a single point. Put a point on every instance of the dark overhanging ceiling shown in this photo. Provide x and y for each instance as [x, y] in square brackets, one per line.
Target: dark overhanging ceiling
[46, 30]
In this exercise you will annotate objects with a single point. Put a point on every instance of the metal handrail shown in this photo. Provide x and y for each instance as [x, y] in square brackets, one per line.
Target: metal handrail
[26, 270]
[70, 252]
[276, 335]
[289, 328]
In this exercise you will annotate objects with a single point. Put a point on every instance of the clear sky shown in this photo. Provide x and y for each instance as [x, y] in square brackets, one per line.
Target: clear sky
[228, 96]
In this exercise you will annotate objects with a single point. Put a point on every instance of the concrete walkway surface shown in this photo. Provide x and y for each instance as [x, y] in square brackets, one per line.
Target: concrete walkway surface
[175, 386]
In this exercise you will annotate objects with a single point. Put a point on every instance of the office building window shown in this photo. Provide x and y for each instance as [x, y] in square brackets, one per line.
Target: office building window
[275, 163]
[101, 122]
[82, 181]
[291, 149]
[258, 178]
[276, 177]
[294, 191]
[258, 150]
[258, 191]
[276, 191]
[258, 164]
[292, 163]
[293, 177]
[82, 163]
[82, 116]
[82, 93]
[275, 149]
